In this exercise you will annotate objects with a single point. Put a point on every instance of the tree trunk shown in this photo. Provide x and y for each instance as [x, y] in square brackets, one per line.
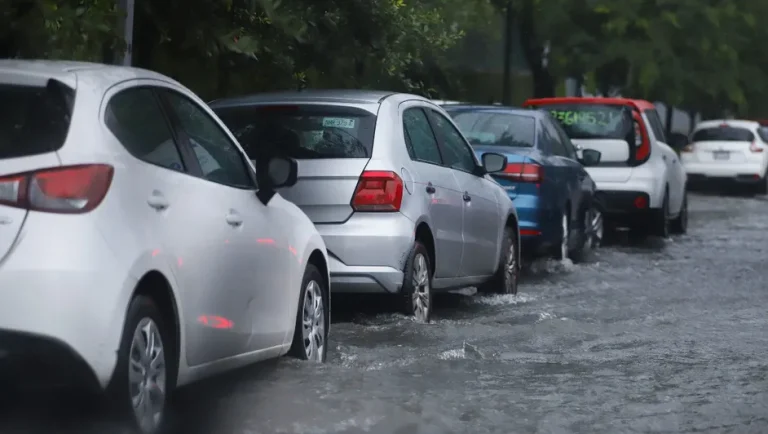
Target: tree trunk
[533, 49]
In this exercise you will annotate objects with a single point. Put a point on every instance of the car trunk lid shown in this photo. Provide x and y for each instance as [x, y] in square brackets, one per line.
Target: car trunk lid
[35, 113]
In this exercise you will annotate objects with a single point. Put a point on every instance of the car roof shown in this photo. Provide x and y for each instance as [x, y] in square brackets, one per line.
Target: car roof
[68, 72]
[348, 96]
[738, 123]
[639, 104]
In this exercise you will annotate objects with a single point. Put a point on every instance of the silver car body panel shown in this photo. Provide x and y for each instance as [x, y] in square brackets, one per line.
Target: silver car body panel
[368, 250]
[70, 278]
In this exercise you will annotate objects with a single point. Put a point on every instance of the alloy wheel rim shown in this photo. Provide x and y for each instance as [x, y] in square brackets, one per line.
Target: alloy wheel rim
[510, 269]
[597, 228]
[564, 241]
[313, 322]
[147, 375]
[421, 293]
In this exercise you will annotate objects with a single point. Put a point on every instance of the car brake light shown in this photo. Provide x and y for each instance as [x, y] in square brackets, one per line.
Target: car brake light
[754, 147]
[687, 148]
[642, 141]
[641, 202]
[378, 191]
[65, 190]
[523, 172]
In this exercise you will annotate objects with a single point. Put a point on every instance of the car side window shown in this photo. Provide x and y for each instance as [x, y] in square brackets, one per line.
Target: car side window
[421, 141]
[570, 149]
[557, 146]
[763, 133]
[137, 120]
[220, 159]
[457, 153]
[656, 125]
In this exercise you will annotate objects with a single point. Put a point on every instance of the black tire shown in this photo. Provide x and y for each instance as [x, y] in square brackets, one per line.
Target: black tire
[143, 311]
[592, 236]
[313, 290]
[503, 282]
[679, 224]
[661, 219]
[417, 297]
[558, 252]
[762, 187]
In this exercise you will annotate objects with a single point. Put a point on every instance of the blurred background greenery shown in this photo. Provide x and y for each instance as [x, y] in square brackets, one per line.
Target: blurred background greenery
[702, 56]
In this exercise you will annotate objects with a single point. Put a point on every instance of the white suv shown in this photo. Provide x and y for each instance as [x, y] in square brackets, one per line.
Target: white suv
[728, 151]
[641, 184]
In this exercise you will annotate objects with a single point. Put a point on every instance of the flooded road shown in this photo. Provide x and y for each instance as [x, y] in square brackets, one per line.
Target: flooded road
[670, 336]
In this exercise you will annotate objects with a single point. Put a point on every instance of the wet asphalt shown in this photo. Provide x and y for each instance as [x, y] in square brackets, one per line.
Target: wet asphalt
[666, 336]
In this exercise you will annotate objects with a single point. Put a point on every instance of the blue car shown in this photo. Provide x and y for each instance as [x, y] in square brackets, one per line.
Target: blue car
[545, 177]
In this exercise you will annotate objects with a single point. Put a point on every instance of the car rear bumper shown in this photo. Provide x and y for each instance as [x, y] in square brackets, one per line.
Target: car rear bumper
[625, 208]
[62, 297]
[367, 253]
[711, 173]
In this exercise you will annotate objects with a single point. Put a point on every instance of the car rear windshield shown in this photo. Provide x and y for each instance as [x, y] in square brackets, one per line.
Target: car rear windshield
[723, 134]
[592, 121]
[34, 119]
[498, 129]
[301, 131]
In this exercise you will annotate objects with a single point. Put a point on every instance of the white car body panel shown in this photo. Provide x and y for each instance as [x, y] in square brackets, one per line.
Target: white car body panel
[740, 161]
[70, 278]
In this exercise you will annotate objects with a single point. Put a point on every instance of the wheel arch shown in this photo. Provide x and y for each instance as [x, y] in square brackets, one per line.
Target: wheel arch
[424, 234]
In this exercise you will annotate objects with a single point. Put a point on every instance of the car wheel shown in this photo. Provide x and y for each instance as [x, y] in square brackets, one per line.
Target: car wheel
[145, 372]
[662, 219]
[562, 249]
[593, 234]
[507, 275]
[680, 224]
[310, 336]
[417, 285]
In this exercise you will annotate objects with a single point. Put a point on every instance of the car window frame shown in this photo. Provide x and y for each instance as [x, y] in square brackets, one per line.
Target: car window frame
[570, 148]
[431, 112]
[188, 159]
[657, 127]
[185, 138]
[406, 136]
[554, 139]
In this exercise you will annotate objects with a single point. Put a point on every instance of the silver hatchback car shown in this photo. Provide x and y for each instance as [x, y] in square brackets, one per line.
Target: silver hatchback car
[393, 187]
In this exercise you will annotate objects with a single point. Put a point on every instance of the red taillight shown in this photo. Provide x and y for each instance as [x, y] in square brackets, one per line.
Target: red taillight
[641, 202]
[523, 172]
[754, 147]
[644, 149]
[66, 190]
[378, 191]
[687, 148]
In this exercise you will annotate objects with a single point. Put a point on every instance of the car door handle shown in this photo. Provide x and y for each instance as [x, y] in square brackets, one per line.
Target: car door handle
[467, 197]
[234, 219]
[431, 188]
[157, 201]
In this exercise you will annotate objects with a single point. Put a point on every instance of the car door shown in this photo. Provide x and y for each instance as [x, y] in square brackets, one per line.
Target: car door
[178, 213]
[581, 185]
[566, 182]
[675, 171]
[254, 290]
[481, 226]
[436, 184]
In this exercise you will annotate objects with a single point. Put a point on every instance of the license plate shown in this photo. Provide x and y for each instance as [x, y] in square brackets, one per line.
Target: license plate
[723, 155]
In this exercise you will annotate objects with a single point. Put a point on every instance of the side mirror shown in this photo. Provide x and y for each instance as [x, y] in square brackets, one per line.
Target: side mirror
[678, 141]
[590, 157]
[493, 162]
[274, 173]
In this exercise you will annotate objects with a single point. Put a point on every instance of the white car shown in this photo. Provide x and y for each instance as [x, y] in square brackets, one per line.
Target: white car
[139, 250]
[641, 183]
[728, 151]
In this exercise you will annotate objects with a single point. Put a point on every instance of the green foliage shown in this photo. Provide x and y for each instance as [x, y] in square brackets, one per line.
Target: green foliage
[701, 54]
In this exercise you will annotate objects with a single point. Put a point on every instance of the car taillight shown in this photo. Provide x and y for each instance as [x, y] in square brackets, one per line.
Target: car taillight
[378, 191]
[65, 190]
[522, 172]
[754, 147]
[687, 148]
[642, 143]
